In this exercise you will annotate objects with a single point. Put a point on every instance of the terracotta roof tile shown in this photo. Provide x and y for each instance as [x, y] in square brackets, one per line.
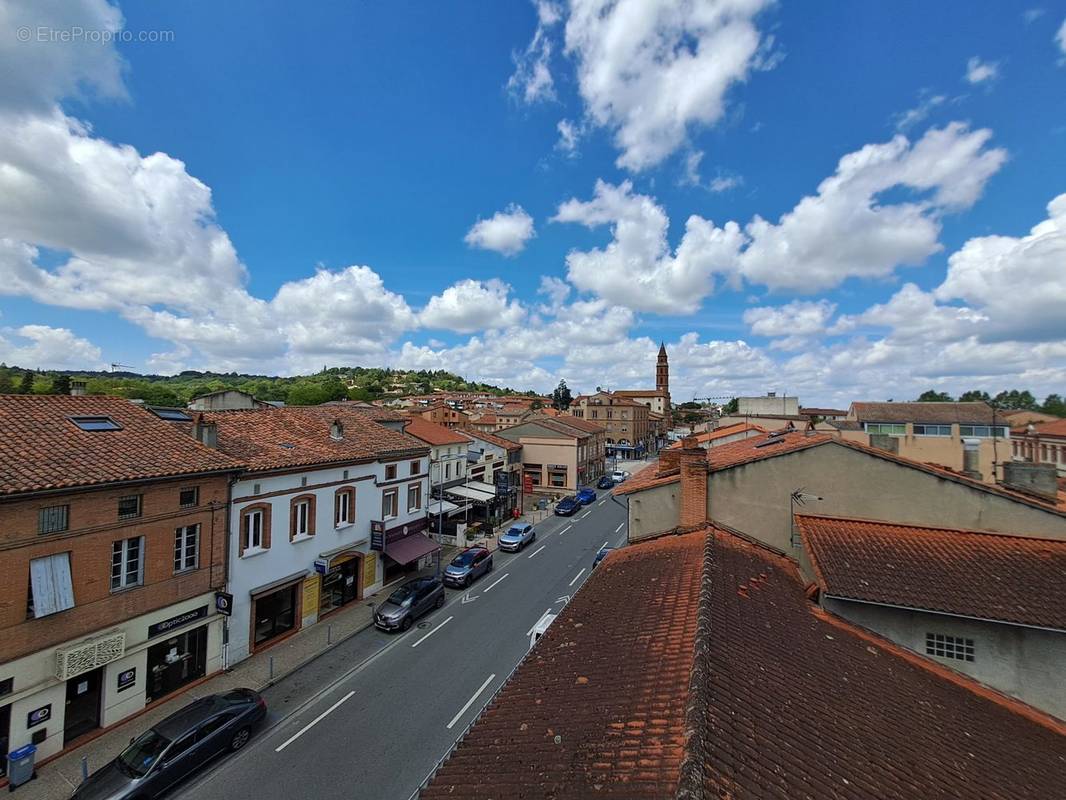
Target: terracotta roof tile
[721, 433]
[42, 449]
[970, 413]
[987, 575]
[499, 441]
[296, 436]
[694, 666]
[1056, 428]
[432, 433]
[584, 425]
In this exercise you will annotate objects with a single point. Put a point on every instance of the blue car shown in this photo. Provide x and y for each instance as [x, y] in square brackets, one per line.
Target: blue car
[567, 506]
[518, 536]
[586, 496]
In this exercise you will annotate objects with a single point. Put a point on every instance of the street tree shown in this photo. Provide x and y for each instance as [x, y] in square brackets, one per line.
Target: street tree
[561, 397]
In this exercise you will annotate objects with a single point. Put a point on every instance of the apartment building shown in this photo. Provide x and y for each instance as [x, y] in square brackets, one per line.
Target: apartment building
[627, 423]
[559, 454]
[1041, 442]
[113, 547]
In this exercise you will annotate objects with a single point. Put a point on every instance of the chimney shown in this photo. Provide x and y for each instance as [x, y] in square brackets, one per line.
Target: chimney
[693, 462]
[669, 459]
[336, 430]
[1040, 480]
[971, 458]
[206, 433]
[77, 387]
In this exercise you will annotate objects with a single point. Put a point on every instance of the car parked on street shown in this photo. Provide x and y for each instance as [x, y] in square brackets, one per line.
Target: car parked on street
[619, 475]
[602, 554]
[518, 536]
[177, 747]
[605, 482]
[408, 603]
[567, 506]
[586, 496]
[468, 566]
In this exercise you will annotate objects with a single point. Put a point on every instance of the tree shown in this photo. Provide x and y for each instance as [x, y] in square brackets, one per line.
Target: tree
[732, 407]
[932, 396]
[61, 384]
[536, 405]
[561, 397]
[26, 384]
[7, 386]
[975, 396]
[1015, 400]
[1054, 404]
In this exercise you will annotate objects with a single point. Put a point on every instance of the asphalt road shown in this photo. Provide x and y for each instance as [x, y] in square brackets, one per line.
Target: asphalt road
[371, 718]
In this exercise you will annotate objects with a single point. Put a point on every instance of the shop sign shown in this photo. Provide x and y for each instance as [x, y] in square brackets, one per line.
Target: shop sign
[127, 678]
[224, 603]
[321, 566]
[527, 484]
[503, 482]
[557, 466]
[39, 716]
[167, 625]
[377, 535]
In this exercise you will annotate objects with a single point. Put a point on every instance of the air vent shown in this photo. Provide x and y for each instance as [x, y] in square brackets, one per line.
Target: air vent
[85, 656]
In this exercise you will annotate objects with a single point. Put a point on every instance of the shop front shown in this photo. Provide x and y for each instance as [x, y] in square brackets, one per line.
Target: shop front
[405, 547]
[175, 661]
[276, 609]
[340, 579]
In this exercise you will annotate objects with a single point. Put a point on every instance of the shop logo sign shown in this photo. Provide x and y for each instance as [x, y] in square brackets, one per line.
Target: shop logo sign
[127, 678]
[39, 715]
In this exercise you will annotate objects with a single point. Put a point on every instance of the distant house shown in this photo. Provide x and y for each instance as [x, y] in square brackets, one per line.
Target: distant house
[1041, 443]
[629, 432]
[559, 454]
[227, 400]
[724, 435]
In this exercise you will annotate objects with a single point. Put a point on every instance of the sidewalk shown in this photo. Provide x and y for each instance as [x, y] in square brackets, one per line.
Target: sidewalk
[59, 777]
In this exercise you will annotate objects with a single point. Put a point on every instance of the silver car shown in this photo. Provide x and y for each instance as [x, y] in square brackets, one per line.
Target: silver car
[518, 536]
[470, 564]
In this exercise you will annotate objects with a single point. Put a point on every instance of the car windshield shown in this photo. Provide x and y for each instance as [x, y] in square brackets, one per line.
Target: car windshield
[139, 757]
[516, 531]
[464, 559]
[401, 595]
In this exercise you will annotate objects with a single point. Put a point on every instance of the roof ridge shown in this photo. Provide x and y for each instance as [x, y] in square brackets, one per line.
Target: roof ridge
[1012, 704]
[945, 528]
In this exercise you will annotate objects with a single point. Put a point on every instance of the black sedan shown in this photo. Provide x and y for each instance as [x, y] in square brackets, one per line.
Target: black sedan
[605, 482]
[567, 506]
[179, 746]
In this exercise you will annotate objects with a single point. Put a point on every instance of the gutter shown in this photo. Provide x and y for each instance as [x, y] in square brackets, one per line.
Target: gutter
[942, 613]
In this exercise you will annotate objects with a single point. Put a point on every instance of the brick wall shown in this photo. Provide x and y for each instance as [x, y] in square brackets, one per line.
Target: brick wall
[693, 462]
[93, 526]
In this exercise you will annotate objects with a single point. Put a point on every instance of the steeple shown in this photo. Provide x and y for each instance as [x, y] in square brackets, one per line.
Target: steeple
[662, 351]
[662, 371]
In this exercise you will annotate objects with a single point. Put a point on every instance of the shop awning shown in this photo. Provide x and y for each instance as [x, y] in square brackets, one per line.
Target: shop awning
[470, 494]
[481, 486]
[410, 548]
[442, 507]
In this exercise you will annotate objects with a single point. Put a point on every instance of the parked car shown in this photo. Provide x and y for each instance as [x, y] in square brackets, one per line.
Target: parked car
[619, 475]
[605, 482]
[541, 628]
[177, 747]
[567, 506]
[518, 536]
[468, 566]
[586, 496]
[408, 603]
[602, 554]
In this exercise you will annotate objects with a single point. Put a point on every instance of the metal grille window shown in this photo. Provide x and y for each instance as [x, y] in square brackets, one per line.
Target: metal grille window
[129, 506]
[186, 548]
[944, 646]
[189, 497]
[53, 519]
[127, 563]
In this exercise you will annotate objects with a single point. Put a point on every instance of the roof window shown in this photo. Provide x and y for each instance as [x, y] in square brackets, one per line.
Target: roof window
[96, 423]
[171, 414]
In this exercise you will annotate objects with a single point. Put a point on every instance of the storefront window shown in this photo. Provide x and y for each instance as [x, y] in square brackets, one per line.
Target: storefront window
[275, 614]
[339, 586]
[176, 662]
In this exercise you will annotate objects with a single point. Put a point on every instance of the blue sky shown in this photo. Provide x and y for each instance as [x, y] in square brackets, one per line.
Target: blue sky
[271, 190]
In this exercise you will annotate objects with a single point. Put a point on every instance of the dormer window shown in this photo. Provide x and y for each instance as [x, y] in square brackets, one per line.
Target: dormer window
[336, 430]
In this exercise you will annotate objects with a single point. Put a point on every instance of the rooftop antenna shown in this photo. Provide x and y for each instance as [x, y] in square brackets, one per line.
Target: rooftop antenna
[116, 366]
[797, 498]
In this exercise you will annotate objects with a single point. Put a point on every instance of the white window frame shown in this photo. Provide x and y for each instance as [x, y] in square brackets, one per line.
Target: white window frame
[394, 505]
[124, 580]
[186, 548]
[303, 519]
[342, 500]
[956, 648]
[414, 487]
[254, 532]
[899, 428]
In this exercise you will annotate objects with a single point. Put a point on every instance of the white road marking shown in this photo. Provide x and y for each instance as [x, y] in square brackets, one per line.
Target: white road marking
[311, 724]
[577, 576]
[468, 599]
[564, 530]
[537, 551]
[585, 514]
[619, 527]
[489, 587]
[604, 500]
[416, 644]
[547, 611]
[470, 702]
[604, 545]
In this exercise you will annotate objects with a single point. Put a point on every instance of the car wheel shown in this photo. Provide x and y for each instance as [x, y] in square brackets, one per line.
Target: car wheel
[239, 740]
[406, 624]
[440, 601]
[533, 538]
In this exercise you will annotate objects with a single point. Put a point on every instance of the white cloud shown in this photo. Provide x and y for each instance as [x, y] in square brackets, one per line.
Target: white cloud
[792, 325]
[43, 347]
[555, 289]
[724, 183]
[1031, 15]
[636, 269]
[913, 315]
[505, 232]
[927, 103]
[978, 71]
[1060, 37]
[470, 306]
[569, 136]
[845, 230]
[651, 69]
[1018, 282]
[37, 72]
[532, 79]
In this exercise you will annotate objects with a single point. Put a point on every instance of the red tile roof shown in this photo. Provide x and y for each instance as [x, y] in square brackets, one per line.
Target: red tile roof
[376, 413]
[694, 666]
[722, 433]
[1056, 428]
[987, 575]
[42, 449]
[969, 413]
[432, 433]
[296, 436]
[583, 425]
[499, 441]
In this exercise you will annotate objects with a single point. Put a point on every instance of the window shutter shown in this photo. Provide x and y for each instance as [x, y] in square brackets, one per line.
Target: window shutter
[52, 587]
[242, 545]
[266, 527]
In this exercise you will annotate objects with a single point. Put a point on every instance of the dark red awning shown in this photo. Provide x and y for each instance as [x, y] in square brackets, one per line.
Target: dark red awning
[410, 548]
